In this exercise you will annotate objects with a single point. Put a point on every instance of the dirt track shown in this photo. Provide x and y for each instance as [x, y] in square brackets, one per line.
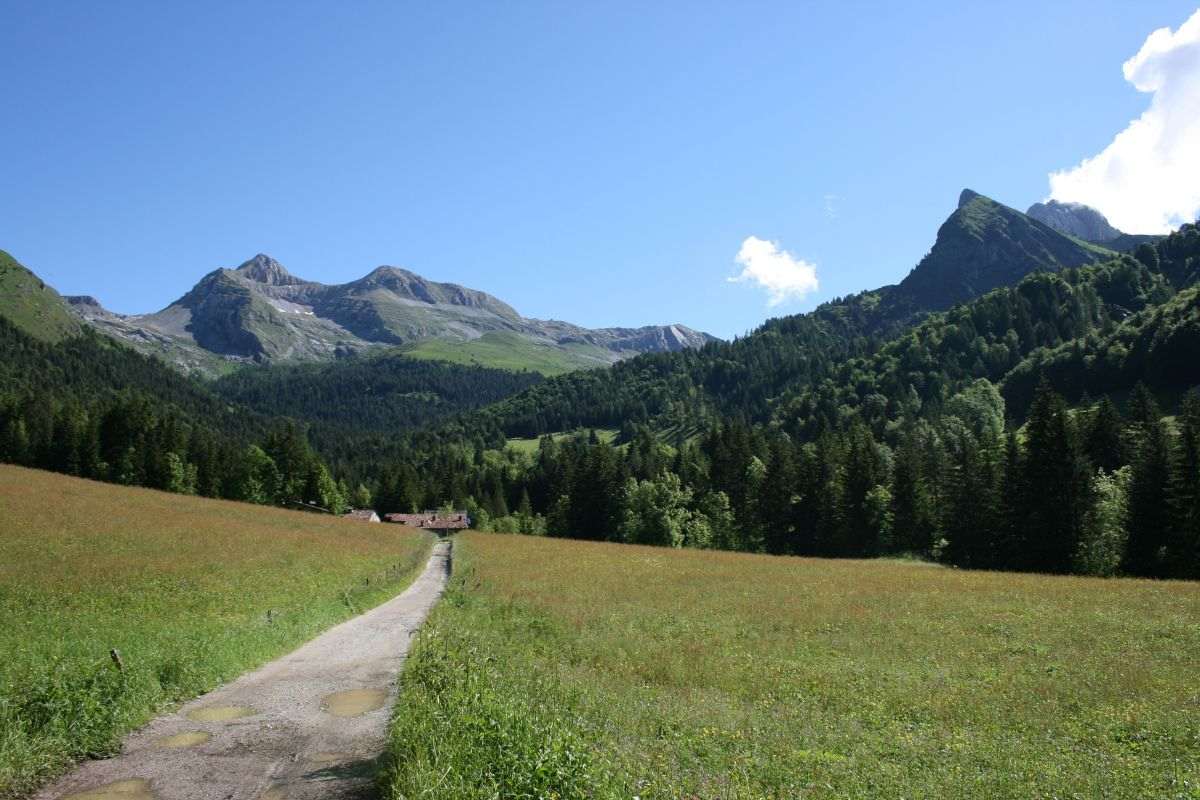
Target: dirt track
[308, 725]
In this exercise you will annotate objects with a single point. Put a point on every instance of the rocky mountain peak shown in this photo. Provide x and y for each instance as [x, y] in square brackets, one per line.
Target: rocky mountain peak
[1074, 219]
[264, 269]
[982, 245]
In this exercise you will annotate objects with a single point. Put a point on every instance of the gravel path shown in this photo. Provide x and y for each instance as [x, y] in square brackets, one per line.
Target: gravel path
[308, 725]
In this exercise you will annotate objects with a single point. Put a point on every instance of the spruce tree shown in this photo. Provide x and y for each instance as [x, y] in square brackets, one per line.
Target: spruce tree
[912, 526]
[1149, 517]
[775, 506]
[1185, 492]
[1105, 448]
[1056, 483]
[971, 511]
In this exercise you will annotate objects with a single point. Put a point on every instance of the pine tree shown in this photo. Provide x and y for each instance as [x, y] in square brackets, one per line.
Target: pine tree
[774, 506]
[971, 511]
[864, 470]
[1056, 483]
[1012, 534]
[1105, 447]
[1185, 492]
[912, 525]
[1149, 515]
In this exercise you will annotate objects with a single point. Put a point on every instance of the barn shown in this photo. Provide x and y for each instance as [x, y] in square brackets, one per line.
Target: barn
[437, 521]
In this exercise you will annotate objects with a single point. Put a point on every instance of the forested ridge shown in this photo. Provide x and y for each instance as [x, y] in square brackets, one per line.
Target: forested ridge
[983, 436]
[372, 394]
[1019, 430]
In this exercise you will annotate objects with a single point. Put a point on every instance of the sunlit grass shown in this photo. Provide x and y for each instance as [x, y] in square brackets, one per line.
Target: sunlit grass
[191, 592]
[530, 445]
[600, 670]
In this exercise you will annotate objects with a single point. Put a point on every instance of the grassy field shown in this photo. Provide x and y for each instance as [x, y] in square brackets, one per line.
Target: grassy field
[513, 352]
[181, 586]
[530, 446]
[573, 669]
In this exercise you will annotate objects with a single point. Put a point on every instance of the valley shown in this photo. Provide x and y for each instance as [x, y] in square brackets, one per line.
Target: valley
[550, 401]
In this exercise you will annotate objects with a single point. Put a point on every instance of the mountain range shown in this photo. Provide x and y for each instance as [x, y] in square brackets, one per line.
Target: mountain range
[260, 312]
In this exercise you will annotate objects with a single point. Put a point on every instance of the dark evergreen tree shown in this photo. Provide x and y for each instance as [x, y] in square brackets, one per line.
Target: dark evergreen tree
[1056, 482]
[1184, 541]
[1149, 515]
[774, 507]
[912, 514]
[1105, 447]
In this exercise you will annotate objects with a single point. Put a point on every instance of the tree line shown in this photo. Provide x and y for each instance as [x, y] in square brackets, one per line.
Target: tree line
[1085, 490]
[93, 408]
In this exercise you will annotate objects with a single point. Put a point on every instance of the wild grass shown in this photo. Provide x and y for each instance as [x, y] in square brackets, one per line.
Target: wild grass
[572, 669]
[513, 352]
[191, 592]
[530, 445]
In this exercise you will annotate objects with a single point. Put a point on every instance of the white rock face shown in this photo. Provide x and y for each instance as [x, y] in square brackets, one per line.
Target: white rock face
[1074, 219]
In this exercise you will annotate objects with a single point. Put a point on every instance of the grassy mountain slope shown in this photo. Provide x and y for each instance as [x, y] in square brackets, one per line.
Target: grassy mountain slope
[512, 351]
[31, 305]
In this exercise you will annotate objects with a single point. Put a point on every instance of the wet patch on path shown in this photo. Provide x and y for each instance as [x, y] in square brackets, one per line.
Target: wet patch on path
[355, 702]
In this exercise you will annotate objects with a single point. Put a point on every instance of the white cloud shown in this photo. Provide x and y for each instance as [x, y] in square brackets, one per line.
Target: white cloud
[784, 276]
[1148, 179]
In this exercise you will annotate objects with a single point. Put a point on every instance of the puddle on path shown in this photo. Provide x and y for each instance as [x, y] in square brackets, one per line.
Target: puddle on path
[189, 739]
[354, 702]
[220, 713]
[132, 789]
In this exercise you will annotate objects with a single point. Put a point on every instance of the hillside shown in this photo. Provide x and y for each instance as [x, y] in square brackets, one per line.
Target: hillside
[31, 305]
[192, 592]
[739, 676]
[262, 313]
[383, 393]
[955, 439]
[981, 246]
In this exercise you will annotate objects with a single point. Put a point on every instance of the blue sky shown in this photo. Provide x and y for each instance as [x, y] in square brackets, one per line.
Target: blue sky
[600, 163]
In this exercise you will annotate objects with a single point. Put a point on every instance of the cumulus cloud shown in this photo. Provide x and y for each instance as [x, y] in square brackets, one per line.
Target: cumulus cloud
[1148, 179]
[784, 276]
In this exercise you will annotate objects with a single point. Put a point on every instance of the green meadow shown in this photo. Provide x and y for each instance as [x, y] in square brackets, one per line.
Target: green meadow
[572, 669]
[513, 352]
[190, 592]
